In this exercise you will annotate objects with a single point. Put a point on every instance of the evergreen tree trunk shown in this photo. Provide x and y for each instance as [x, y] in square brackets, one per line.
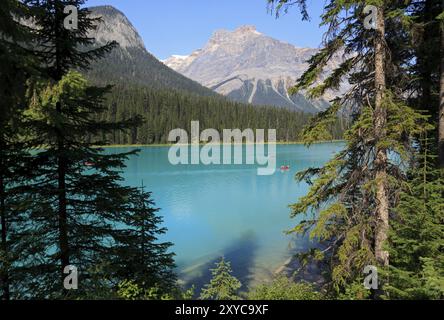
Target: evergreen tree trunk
[4, 273]
[62, 212]
[441, 99]
[62, 164]
[424, 57]
[4, 245]
[380, 120]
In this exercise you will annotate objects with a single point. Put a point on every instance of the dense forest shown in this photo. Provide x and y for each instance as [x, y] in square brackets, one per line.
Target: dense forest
[138, 67]
[60, 217]
[164, 110]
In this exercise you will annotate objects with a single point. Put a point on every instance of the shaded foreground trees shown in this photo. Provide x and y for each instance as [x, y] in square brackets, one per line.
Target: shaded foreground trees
[62, 114]
[224, 286]
[283, 288]
[62, 199]
[441, 91]
[417, 266]
[15, 68]
[393, 105]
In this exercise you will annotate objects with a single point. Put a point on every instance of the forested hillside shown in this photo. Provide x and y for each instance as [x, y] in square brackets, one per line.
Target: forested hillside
[141, 85]
[165, 110]
[166, 99]
[129, 61]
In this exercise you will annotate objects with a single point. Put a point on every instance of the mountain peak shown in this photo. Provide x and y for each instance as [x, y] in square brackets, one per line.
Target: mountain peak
[105, 9]
[243, 32]
[251, 67]
[246, 29]
[115, 26]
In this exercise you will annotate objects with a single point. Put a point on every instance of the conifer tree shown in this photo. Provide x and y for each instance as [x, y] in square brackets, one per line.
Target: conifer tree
[93, 198]
[415, 229]
[424, 49]
[139, 255]
[78, 206]
[380, 134]
[15, 69]
[223, 286]
[441, 92]
[347, 208]
[62, 49]
[416, 240]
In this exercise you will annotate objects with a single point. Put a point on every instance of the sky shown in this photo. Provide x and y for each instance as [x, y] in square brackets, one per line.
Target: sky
[182, 26]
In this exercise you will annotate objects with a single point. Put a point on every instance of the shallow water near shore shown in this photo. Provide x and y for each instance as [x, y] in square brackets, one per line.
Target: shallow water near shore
[227, 210]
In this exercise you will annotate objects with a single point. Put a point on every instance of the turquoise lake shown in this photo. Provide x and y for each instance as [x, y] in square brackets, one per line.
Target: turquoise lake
[227, 210]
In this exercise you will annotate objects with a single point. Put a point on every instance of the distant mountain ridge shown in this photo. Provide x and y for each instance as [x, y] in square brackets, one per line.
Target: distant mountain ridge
[131, 62]
[250, 67]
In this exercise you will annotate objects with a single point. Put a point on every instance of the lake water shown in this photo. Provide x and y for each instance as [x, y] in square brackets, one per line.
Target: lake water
[226, 210]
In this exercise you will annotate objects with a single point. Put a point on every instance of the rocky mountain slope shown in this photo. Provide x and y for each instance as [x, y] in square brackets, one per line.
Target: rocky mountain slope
[251, 67]
[131, 63]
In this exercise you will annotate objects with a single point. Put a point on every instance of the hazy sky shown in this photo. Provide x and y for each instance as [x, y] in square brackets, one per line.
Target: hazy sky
[181, 26]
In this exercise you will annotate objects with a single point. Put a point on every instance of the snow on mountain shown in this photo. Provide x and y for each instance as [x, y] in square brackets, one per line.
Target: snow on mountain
[251, 67]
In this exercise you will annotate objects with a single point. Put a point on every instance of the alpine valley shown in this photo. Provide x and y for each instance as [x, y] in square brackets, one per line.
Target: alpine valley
[225, 85]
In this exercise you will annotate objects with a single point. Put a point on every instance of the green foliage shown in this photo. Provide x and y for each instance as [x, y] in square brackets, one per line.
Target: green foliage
[78, 211]
[129, 290]
[283, 288]
[93, 200]
[355, 291]
[56, 211]
[340, 209]
[223, 286]
[416, 242]
[16, 65]
[321, 126]
[284, 5]
[137, 253]
[164, 110]
[139, 68]
[59, 49]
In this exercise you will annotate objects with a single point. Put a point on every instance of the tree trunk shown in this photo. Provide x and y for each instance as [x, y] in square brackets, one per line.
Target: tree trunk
[61, 160]
[441, 100]
[63, 229]
[4, 245]
[4, 272]
[380, 121]
[62, 204]
[424, 56]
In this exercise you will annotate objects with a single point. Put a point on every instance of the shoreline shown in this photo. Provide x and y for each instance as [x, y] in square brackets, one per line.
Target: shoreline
[175, 144]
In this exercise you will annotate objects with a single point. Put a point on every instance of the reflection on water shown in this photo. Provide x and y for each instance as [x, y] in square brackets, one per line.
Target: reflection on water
[212, 211]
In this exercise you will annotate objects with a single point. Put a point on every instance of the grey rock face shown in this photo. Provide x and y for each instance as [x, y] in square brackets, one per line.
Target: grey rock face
[251, 67]
[115, 26]
[131, 63]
